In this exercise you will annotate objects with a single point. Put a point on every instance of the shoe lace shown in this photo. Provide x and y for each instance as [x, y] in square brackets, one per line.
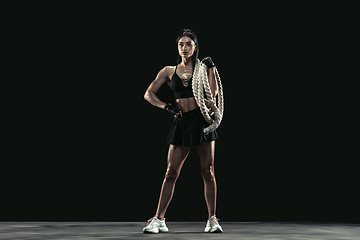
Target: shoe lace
[214, 219]
[151, 220]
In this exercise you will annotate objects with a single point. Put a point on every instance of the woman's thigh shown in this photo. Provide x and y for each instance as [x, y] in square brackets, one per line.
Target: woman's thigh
[206, 151]
[176, 157]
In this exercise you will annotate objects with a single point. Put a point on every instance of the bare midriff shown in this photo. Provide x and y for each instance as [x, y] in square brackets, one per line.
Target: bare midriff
[187, 104]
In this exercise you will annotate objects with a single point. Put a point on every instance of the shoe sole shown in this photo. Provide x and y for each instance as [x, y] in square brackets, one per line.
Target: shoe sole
[217, 230]
[160, 231]
[163, 230]
[147, 232]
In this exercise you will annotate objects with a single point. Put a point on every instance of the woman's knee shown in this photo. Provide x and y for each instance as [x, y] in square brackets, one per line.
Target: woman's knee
[208, 173]
[171, 174]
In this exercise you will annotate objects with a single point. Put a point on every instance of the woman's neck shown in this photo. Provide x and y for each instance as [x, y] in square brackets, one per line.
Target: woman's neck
[186, 62]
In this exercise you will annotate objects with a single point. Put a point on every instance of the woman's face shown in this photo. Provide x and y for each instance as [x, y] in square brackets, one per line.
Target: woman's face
[186, 47]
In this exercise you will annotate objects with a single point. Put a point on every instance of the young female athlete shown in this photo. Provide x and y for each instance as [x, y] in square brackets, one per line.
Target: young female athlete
[188, 127]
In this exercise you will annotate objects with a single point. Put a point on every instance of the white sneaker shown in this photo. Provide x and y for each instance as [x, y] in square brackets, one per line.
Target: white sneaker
[155, 226]
[213, 225]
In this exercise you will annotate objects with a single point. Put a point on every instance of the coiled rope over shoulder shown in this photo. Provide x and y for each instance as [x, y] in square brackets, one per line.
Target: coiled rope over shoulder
[200, 84]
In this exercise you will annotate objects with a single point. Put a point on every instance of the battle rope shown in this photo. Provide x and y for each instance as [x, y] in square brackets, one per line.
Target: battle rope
[199, 85]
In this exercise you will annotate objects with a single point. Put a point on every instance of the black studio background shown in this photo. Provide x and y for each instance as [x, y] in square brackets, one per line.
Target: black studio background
[100, 155]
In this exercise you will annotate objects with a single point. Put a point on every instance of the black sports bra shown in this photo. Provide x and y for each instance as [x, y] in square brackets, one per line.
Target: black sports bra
[182, 88]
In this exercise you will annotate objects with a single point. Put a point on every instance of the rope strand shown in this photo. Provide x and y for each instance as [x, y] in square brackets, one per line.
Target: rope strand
[200, 85]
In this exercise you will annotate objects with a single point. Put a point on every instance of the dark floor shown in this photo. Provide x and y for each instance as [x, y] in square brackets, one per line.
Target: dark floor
[178, 230]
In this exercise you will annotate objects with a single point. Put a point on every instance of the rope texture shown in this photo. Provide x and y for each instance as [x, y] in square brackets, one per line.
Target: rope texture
[200, 85]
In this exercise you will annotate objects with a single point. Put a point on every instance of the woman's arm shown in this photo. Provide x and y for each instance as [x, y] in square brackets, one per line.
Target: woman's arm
[211, 75]
[150, 94]
[212, 81]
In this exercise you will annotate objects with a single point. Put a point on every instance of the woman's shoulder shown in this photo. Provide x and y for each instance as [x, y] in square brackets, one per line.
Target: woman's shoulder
[169, 71]
[170, 68]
